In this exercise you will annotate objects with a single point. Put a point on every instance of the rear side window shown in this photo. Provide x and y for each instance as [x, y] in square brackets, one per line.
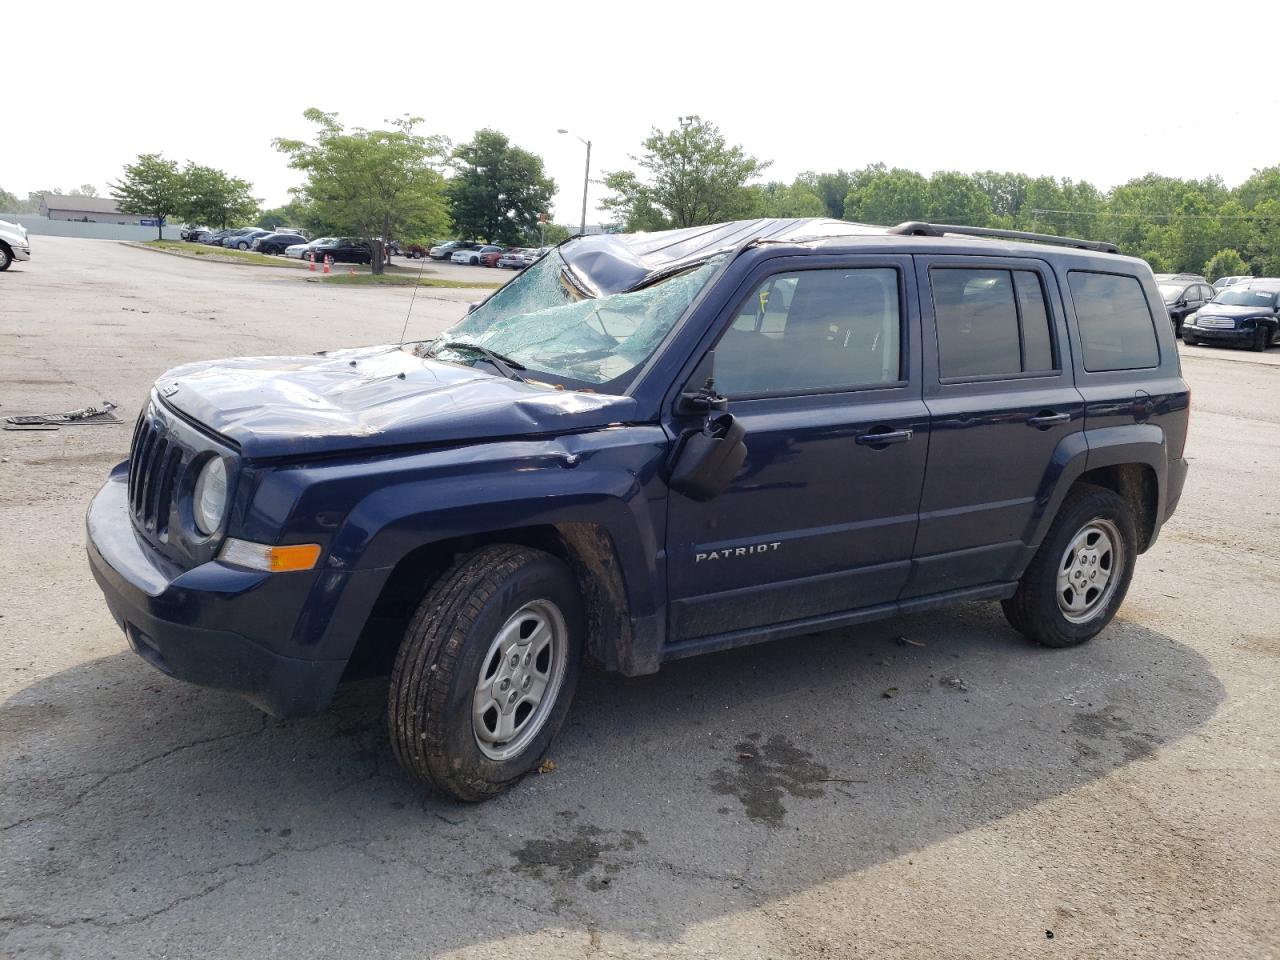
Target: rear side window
[1117, 331]
[991, 323]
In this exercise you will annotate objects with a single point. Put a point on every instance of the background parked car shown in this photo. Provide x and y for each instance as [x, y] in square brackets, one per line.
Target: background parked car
[300, 250]
[472, 255]
[344, 250]
[489, 258]
[445, 251]
[416, 251]
[192, 234]
[1245, 314]
[1223, 282]
[1184, 296]
[215, 239]
[519, 258]
[244, 241]
[277, 243]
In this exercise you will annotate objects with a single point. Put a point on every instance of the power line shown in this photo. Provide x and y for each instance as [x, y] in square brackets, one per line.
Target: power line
[1035, 212]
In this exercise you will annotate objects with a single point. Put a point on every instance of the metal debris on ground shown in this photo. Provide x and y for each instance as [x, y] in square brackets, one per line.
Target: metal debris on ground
[87, 417]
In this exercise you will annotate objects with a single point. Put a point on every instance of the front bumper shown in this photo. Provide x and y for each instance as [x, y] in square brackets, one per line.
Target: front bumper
[21, 253]
[224, 627]
[1219, 334]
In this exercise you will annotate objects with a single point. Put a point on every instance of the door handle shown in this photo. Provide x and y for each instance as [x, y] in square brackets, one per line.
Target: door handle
[884, 437]
[1047, 418]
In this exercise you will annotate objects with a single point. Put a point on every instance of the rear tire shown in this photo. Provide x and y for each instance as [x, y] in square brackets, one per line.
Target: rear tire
[1079, 577]
[460, 711]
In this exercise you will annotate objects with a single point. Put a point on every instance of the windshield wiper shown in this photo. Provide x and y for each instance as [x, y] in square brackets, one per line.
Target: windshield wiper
[504, 365]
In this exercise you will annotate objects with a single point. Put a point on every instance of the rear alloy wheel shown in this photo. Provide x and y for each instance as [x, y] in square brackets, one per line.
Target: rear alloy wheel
[486, 671]
[1080, 575]
[242, 245]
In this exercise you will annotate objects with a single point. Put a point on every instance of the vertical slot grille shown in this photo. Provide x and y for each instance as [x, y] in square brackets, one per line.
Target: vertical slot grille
[153, 466]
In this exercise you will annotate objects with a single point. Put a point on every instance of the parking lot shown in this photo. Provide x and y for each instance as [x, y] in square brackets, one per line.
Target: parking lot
[930, 786]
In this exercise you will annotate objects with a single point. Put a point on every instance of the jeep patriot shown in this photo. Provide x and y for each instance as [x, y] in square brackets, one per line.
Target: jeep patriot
[647, 447]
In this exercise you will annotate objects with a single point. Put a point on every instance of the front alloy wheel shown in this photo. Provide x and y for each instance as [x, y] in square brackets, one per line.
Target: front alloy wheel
[520, 679]
[486, 671]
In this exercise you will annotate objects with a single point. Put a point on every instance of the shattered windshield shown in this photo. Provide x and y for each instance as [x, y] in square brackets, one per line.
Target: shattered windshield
[544, 322]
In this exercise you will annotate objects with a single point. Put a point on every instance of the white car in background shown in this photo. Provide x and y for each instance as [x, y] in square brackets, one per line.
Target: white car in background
[14, 244]
[299, 251]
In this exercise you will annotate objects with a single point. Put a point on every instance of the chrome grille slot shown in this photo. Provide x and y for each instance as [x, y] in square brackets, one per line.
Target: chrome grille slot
[154, 462]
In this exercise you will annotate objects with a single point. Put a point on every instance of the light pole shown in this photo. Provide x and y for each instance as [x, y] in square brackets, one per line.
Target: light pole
[586, 180]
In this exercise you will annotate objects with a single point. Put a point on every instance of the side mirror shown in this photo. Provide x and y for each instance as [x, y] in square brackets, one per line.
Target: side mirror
[1181, 303]
[472, 308]
[706, 459]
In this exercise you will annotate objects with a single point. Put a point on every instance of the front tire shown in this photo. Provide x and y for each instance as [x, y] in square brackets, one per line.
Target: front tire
[1189, 339]
[1079, 577]
[1261, 338]
[6, 258]
[242, 245]
[486, 671]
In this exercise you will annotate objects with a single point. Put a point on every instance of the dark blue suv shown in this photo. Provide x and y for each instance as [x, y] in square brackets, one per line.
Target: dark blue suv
[648, 447]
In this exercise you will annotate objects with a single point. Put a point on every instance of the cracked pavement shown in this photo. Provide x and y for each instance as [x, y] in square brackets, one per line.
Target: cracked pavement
[766, 802]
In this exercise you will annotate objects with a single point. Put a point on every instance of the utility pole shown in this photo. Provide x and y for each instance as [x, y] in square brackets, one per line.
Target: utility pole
[586, 180]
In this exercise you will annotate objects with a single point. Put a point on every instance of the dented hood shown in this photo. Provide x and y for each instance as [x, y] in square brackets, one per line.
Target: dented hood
[372, 397]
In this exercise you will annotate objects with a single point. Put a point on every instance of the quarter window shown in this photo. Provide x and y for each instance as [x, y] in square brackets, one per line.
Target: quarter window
[814, 330]
[991, 323]
[1117, 331]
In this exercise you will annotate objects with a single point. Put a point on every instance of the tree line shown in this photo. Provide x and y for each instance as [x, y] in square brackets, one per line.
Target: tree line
[398, 182]
[689, 175]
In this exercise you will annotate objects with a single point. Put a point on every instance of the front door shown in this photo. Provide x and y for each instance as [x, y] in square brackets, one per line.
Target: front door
[821, 366]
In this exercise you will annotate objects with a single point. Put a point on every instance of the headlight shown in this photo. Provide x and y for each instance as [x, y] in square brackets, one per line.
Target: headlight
[210, 499]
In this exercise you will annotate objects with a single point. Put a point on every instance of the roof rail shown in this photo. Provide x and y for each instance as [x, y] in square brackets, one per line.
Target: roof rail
[918, 228]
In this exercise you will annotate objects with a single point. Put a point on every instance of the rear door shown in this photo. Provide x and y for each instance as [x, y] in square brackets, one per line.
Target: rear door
[820, 360]
[1002, 404]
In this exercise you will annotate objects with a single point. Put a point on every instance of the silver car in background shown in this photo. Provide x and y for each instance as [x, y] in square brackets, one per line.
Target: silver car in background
[14, 244]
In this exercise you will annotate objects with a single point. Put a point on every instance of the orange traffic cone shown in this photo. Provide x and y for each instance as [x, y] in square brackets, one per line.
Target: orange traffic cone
[311, 255]
[328, 261]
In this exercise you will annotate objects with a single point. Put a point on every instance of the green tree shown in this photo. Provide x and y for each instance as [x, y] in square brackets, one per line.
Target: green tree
[152, 187]
[9, 203]
[213, 198]
[554, 233]
[879, 195]
[691, 176]
[1226, 263]
[796, 199]
[374, 183]
[953, 197]
[295, 213]
[498, 189]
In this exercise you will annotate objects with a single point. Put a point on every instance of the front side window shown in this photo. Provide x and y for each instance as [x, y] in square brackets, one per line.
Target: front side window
[814, 330]
[545, 321]
[1117, 331]
[991, 323]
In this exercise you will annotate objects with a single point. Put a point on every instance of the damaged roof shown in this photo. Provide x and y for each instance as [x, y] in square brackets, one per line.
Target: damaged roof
[612, 262]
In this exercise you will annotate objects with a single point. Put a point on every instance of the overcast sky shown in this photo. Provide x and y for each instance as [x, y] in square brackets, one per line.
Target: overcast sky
[1101, 92]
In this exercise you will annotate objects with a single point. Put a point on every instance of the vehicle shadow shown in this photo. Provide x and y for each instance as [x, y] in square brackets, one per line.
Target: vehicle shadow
[138, 811]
